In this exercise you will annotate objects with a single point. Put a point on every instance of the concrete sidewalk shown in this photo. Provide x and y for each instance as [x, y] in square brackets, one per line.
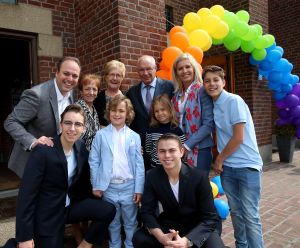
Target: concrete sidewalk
[280, 207]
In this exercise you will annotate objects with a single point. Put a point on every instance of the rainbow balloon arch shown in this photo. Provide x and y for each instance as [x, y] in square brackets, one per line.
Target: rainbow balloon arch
[217, 26]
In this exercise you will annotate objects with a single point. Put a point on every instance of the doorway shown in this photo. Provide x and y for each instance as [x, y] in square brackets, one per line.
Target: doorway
[18, 68]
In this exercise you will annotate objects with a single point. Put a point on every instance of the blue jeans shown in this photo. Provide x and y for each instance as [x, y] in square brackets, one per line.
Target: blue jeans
[121, 195]
[242, 187]
[204, 159]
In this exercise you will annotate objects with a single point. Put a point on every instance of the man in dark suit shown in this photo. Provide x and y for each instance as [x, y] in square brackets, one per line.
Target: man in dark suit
[188, 217]
[35, 119]
[142, 94]
[54, 190]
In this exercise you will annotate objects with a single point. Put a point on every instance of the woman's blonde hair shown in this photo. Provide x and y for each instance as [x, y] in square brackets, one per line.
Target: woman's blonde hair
[178, 84]
[165, 101]
[114, 64]
[113, 104]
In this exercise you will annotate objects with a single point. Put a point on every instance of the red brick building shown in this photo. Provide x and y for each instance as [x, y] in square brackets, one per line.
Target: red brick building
[34, 34]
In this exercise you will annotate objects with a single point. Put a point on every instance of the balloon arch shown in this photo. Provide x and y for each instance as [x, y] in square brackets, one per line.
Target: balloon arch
[217, 26]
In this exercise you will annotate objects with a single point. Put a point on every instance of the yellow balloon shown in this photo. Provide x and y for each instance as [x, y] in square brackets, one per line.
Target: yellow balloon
[221, 31]
[208, 46]
[199, 38]
[214, 188]
[211, 23]
[217, 10]
[204, 13]
[191, 21]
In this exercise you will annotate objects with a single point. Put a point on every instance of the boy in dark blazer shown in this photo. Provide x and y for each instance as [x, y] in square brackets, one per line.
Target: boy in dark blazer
[188, 217]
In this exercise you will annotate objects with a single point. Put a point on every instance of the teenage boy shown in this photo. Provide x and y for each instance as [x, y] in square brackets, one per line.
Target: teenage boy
[239, 162]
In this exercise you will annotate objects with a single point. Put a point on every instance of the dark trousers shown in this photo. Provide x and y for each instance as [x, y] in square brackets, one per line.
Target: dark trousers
[101, 213]
[142, 239]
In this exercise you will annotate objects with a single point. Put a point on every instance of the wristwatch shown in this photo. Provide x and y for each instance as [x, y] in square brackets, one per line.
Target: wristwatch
[190, 243]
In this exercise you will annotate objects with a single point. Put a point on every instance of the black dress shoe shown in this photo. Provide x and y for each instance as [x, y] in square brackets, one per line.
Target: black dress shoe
[11, 243]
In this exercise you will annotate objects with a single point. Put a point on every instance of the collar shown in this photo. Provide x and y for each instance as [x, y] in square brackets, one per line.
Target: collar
[152, 84]
[123, 129]
[59, 96]
[222, 97]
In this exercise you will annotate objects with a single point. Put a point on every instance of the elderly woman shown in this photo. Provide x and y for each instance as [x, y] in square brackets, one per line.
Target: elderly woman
[114, 73]
[89, 86]
[194, 110]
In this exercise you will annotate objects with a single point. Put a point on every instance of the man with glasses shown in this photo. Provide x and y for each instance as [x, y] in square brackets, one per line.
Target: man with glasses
[35, 119]
[142, 94]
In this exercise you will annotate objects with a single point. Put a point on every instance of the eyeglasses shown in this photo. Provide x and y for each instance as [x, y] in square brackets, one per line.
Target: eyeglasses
[70, 124]
[118, 76]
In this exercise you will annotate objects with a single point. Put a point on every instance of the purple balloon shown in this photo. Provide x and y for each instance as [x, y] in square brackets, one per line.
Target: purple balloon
[296, 90]
[280, 122]
[295, 111]
[283, 114]
[291, 101]
[280, 104]
[296, 122]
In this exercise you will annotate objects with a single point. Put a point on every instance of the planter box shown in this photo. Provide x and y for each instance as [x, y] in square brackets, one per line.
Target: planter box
[286, 148]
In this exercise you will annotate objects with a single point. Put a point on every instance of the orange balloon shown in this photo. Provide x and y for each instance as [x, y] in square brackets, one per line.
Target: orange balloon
[170, 54]
[176, 29]
[196, 52]
[180, 40]
[162, 65]
[163, 74]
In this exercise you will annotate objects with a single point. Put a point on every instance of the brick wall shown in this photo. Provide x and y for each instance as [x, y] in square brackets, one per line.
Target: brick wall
[63, 21]
[284, 25]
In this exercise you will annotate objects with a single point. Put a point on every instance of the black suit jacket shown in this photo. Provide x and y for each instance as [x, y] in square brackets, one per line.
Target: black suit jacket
[42, 195]
[141, 120]
[194, 216]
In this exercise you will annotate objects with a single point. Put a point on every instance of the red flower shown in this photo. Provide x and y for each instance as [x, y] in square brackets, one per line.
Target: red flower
[190, 162]
[189, 116]
[194, 128]
[191, 96]
[196, 112]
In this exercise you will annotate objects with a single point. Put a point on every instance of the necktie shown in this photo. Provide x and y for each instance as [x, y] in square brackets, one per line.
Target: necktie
[148, 98]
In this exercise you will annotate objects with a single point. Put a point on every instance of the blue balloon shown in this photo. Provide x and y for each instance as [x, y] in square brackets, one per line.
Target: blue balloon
[287, 78]
[279, 95]
[274, 86]
[252, 61]
[286, 88]
[222, 208]
[273, 56]
[271, 47]
[295, 79]
[217, 181]
[282, 65]
[266, 65]
[275, 76]
[280, 49]
[263, 73]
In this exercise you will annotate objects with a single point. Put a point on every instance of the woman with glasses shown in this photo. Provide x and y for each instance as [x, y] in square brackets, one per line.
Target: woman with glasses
[88, 87]
[114, 73]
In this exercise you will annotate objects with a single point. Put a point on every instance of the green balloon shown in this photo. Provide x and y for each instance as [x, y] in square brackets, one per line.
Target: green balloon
[217, 41]
[232, 44]
[270, 39]
[247, 46]
[259, 29]
[241, 28]
[251, 35]
[230, 18]
[243, 16]
[259, 54]
[261, 42]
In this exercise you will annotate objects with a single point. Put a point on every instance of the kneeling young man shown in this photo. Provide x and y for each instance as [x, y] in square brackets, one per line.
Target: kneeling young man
[239, 161]
[188, 217]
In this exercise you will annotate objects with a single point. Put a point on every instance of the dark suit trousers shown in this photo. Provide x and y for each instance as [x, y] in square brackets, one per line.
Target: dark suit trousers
[101, 213]
[143, 239]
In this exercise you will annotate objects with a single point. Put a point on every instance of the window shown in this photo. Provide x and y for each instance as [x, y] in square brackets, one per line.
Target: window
[169, 17]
